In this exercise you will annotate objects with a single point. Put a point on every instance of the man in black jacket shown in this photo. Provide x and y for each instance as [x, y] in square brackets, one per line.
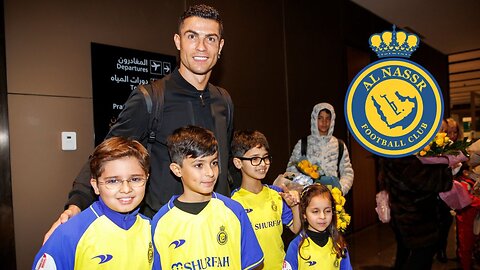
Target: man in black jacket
[189, 99]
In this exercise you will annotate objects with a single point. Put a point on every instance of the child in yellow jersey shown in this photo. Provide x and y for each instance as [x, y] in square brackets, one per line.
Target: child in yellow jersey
[319, 244]
[200, 229]
[110, 234]
[264, 205]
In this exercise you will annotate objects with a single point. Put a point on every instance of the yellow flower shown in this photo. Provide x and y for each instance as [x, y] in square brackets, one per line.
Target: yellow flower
[309, 169]
[335, 190]
[336, 197]
[342, 201]
[439, 142]
[347, 218]
[446, 139]
[338, 208]
[440, 135]
[423, 153]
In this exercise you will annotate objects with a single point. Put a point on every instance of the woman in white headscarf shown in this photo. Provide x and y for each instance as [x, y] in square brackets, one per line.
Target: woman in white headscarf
[323, 149]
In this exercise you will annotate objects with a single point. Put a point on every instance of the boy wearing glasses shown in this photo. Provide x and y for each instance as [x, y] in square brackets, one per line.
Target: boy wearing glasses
[201, 229]
[110, 234]
[268, 207]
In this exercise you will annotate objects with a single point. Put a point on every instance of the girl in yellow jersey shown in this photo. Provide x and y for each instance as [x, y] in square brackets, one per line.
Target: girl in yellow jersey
[319, 244]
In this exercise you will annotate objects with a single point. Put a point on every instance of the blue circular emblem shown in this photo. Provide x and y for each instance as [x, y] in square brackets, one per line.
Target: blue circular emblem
[394, 107]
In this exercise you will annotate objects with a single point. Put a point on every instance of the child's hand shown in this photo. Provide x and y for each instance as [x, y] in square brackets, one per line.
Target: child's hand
[291, 197]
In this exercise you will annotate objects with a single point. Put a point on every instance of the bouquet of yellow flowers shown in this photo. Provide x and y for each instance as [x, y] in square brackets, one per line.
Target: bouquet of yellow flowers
[442, 150]
[309, 169]
[343, 219]
[312, 173]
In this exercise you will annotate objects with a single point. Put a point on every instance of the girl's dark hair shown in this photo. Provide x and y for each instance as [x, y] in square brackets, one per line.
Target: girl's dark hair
[325, 110]
[339, 243]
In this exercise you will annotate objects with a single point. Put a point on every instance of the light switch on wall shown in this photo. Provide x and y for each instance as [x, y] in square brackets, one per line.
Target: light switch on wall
[69, 140]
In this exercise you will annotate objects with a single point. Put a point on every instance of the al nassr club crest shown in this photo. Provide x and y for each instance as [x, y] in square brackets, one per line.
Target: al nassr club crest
[394, 106]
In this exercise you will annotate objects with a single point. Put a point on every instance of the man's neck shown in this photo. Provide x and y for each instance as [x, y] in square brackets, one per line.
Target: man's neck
[198, 81]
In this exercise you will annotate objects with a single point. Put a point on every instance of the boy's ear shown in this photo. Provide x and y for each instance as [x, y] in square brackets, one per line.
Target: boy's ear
[237, 162]
[94, 184]
[176, 169]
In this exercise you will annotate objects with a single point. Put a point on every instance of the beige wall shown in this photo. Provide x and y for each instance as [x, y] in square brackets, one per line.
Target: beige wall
[49, 91]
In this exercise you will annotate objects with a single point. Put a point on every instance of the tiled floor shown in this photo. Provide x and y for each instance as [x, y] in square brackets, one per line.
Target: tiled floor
[374, 249]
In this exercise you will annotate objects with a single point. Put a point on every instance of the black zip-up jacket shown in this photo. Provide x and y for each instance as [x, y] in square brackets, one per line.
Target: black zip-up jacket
[183, 105]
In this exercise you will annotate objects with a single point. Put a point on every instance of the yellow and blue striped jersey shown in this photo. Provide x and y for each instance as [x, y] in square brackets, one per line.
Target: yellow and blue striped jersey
[99, 238]
[219, 237]
[316, 257]
[267, 212]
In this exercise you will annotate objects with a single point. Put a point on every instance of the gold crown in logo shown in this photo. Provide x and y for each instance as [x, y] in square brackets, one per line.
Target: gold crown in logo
[394, 44]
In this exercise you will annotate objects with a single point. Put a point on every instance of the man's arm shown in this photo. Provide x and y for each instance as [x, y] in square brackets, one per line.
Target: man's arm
[71, 211]
[132, 123]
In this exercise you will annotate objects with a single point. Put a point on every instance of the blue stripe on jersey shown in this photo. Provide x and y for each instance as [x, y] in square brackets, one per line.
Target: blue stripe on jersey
[63, 243]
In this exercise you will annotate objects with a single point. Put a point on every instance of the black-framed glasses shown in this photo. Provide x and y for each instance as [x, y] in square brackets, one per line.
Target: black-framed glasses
[115, 183]
[255, 161]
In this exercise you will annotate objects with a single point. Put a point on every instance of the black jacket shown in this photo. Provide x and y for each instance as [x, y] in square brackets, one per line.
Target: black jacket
[183, 105]
[413, 191]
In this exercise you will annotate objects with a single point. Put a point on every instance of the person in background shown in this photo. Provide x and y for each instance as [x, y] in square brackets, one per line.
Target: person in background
[263, 204]
[319, 244]
[110, 234]
[453, 130]
[445, 217]
[189, 98]
[464, 218]
[199, 228]
[413, 190]
[323, 149]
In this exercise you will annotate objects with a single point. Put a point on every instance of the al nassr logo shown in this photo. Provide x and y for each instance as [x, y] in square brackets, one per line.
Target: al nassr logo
[394, 106]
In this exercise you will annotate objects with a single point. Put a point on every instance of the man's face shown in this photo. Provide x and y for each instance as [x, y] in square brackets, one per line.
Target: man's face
[323, 122]
[200, 44]
[198, 175]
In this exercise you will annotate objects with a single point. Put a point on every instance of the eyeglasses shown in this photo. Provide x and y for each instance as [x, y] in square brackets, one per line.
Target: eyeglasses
[255, 161]
[116, 183]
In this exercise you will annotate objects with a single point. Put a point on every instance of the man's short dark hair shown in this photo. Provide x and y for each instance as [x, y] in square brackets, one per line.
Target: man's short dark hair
[191, 142]
[244, 140]
[202, 11]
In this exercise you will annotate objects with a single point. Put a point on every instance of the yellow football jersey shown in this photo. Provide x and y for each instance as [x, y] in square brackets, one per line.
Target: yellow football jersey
[219, 237]
[267, 212]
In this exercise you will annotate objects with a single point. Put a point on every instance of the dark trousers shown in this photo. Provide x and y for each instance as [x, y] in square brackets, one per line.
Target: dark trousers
[413, 258]
[445, 221]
